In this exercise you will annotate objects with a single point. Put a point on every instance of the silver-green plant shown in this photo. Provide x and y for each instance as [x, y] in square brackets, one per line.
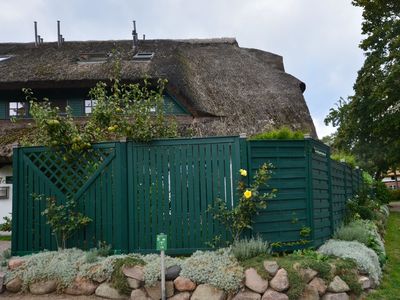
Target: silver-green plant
[218, 268]
[366, 259]
[365, 232]
[152, 269]
[247, 248]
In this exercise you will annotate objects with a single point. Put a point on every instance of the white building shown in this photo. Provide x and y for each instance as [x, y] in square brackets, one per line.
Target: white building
[5, 191]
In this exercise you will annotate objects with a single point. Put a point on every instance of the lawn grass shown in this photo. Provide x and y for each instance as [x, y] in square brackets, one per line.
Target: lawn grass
[390, 287]
[5, 238]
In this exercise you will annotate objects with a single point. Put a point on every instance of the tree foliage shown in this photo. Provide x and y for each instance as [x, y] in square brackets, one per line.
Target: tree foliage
[122, 110]
[369, 121]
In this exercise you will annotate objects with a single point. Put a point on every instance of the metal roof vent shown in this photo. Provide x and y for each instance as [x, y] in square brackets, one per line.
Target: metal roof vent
[143, 56]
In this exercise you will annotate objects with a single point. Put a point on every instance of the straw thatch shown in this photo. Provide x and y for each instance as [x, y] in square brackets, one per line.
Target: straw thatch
[227, 89]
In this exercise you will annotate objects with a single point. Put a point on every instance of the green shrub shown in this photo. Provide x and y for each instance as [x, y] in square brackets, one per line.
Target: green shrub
[248, 248]
[361, 206]
[283, 133]
[394, 195]
[346, 269]
[218, 268]
[346, 157]
[366, 259]
[7, 225]
[381, 192]
[118, 279]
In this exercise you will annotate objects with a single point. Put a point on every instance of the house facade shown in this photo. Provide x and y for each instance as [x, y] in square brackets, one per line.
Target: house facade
[215, 87]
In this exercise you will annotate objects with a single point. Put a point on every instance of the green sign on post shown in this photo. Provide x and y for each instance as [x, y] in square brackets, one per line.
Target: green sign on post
[161, 242]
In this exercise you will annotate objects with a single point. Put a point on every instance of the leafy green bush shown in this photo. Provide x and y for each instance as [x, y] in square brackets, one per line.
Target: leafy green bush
[365, 232]
[248, 248]
[394, 195]
[283, 133]
[361, 206]
[346, 269]
[118, 278]
[64, 219]
[381, 192]
[366, 259]
[218, 268]
[346, 157]
[7, 225]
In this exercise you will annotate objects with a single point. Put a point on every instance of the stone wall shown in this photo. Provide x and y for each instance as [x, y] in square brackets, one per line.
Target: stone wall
[179, 288]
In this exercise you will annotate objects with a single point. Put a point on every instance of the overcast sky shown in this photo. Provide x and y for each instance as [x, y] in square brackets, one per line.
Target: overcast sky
[318, 39]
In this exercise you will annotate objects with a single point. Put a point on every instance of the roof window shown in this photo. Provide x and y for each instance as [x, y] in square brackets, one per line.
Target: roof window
[4, 57]
[143, 56]
[93, 57]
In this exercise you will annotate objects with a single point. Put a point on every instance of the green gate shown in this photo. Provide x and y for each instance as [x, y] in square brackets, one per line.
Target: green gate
[131, 191]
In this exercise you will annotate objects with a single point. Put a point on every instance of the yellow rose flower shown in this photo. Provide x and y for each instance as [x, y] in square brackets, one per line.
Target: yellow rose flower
[247, 194]
[243, 172]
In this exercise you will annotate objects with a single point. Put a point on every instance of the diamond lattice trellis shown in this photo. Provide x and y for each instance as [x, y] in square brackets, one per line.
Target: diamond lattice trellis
[70, 173]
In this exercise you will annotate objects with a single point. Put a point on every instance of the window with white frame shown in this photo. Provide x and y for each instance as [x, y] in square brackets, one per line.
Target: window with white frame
[89, 105]
[18, 109]
[4, 191]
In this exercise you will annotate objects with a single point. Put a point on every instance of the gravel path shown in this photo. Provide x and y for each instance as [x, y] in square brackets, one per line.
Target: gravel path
[394, 206]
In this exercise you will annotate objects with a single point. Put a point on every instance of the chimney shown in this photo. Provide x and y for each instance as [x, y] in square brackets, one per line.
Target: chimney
[135, 35]
[36, 35]
[58, 34]
[60, 39]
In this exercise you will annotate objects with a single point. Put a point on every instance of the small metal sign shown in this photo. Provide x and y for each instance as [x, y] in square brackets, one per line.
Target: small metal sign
[162, 242]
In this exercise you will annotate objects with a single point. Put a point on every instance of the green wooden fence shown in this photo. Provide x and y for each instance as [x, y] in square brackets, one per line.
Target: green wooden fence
[134, 191]
[312, 190]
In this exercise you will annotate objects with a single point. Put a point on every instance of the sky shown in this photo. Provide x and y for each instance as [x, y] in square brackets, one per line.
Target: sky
[318, 39]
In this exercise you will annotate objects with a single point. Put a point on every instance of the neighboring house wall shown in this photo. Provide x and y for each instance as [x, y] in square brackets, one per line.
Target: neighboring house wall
[391, 183]
[5, 204]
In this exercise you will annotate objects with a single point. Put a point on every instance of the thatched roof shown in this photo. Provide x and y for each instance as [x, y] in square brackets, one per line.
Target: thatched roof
[246, 89]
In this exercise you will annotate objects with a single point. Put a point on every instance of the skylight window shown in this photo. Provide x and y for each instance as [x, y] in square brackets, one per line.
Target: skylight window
[93, 57]
[4, 57]
[143, 56]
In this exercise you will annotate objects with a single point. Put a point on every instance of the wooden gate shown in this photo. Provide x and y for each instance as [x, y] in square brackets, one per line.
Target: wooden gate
[131, 191]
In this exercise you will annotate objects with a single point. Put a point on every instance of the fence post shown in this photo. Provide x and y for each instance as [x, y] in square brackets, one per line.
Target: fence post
[120, 210]
[245, 159]
[329, 163]
[310, 196]
[15, 202]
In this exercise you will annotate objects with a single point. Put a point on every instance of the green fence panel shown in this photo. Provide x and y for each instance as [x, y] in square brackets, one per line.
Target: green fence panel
[321, 192]
[338, 192]
[288, 212]
[170, 186]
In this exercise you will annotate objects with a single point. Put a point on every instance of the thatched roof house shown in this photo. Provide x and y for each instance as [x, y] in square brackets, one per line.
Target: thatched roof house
[219, 87]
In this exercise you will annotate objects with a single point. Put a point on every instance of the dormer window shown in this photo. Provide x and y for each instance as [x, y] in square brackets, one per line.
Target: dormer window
[18, 109]
[92, 58]
[89, 105]
[4, 57]
[143, 56]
